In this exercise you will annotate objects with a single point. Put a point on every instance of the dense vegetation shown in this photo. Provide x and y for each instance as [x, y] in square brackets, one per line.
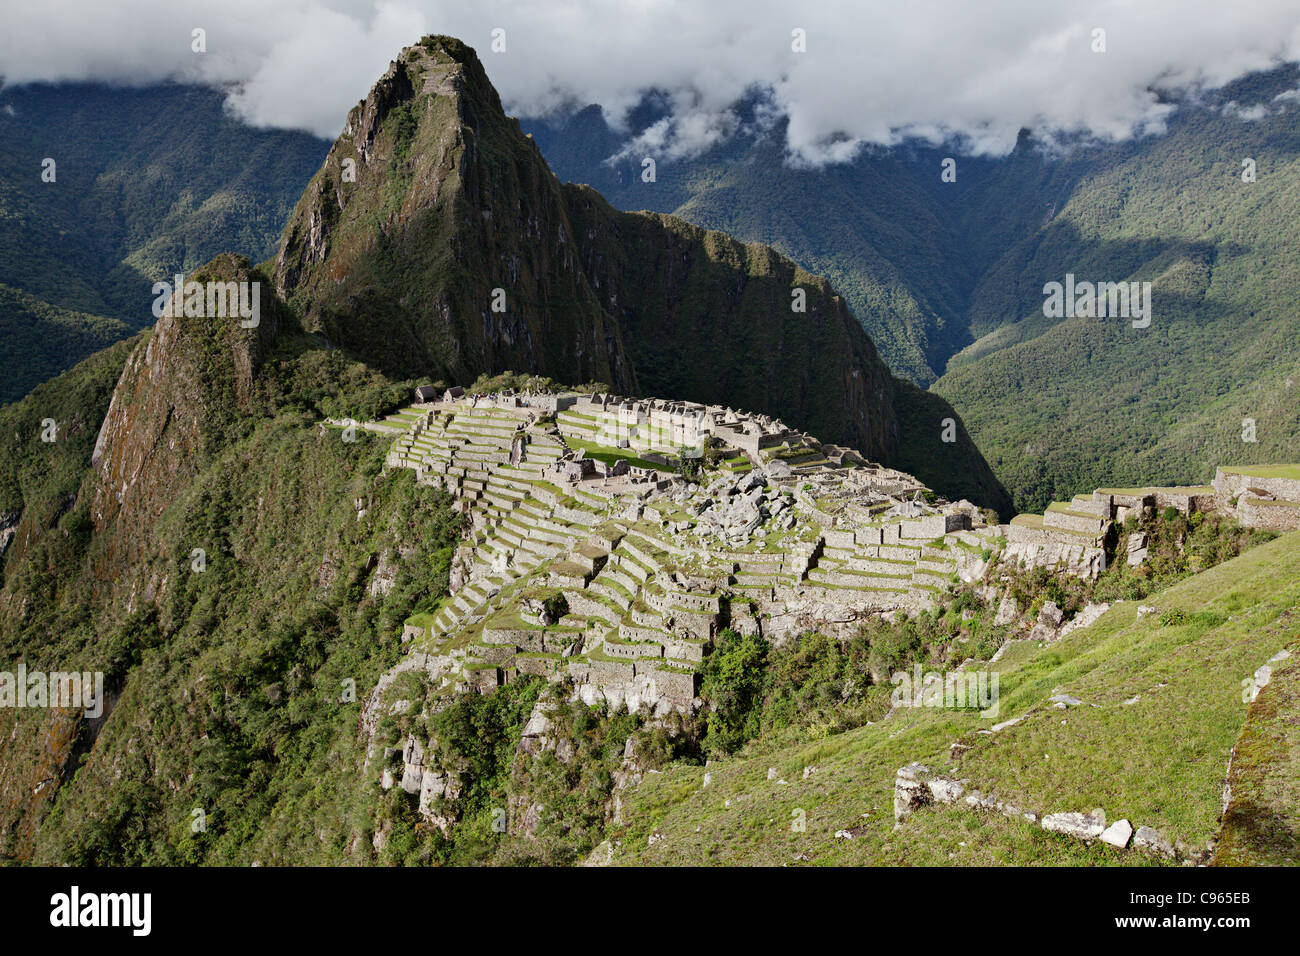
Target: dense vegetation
[233, 738]
[148, 182]
[227, 683]
[245, 584]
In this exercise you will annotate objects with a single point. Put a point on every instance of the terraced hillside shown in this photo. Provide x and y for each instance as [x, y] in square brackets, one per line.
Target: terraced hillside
[617, 582]
[611, 570]
[588, 562]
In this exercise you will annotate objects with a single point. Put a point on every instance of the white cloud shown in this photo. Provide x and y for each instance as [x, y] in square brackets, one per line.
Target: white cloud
[874, 72]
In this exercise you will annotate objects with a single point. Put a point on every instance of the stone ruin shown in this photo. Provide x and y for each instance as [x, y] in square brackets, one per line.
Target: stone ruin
[645, 567]
[1076, 536]
[587, 563]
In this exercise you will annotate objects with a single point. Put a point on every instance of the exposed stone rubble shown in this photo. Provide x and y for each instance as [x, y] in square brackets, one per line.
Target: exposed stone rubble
[917, 786]
[1082, 826]
[1086, 616]
[1118, 834]
[1149, 839]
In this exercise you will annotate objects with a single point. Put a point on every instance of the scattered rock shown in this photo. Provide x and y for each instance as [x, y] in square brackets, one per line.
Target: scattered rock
[1084, 618]
[1085, 826]
[945, 790]
[1137, 548]
[1007, 611]
[602, 855]
[911, 790]
[1149, 839]
[1050, 615]
[1117, 834]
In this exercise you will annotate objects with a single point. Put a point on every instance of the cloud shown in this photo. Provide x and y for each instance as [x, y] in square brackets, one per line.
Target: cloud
[873, 72]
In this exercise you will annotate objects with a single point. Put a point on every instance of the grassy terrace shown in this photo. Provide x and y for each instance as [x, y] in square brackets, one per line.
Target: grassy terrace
[1067, 508]
[1036, 522]
[1158, 760]
[1265, 471]
[1173, 489]
[609, 455]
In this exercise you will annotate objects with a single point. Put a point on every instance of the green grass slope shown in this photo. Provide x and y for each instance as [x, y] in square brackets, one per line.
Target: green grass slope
[1260, 826]
[1159, 761]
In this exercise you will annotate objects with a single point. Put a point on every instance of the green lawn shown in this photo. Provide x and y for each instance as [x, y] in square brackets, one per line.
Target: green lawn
[1265, 471]
[611, 455]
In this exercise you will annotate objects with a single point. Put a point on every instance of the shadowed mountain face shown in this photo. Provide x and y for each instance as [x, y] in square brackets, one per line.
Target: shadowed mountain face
[435, 241]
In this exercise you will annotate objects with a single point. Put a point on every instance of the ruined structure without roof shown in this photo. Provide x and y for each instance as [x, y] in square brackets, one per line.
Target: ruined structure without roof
[574, 496]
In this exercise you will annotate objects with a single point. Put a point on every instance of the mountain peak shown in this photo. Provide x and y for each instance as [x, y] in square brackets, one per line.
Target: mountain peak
[435, 242]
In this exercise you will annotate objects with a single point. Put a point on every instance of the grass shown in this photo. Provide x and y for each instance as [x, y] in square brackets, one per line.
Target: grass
[610, 455]
[1265, 471]
[1260, 827]
[1159, 761]
[1174, 489]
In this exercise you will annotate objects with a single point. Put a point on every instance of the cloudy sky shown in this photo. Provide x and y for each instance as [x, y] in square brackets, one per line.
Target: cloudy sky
[873, 71]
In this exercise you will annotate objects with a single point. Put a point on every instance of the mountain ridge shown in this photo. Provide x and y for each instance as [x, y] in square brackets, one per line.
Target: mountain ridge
[948, 276]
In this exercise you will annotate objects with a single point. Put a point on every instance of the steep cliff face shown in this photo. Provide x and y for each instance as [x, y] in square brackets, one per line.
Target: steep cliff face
[436, 241]
[178, 397]
[712, 319]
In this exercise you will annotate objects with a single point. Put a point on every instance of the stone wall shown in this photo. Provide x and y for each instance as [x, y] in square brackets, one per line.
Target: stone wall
[1233, 484]
[1272, 515]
